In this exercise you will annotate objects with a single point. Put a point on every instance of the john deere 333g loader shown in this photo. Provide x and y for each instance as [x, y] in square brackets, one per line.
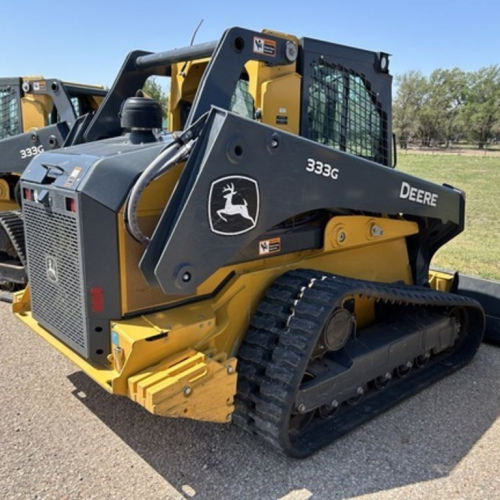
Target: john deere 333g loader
[264, 265]
[36, 115]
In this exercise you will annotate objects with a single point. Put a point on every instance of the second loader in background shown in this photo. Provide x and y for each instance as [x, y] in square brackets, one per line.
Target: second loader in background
[36, 115]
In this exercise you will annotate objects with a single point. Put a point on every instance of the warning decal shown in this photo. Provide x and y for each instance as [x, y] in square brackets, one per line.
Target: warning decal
[39, 86]
[72, 178]
[267, 247]
[264, 46]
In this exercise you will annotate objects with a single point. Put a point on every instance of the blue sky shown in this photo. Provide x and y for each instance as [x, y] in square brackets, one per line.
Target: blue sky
[87, 40]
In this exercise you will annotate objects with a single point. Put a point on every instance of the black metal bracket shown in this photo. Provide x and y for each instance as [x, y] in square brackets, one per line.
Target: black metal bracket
[291, 175]
[235, 49]
[56, 90]
[228, 57]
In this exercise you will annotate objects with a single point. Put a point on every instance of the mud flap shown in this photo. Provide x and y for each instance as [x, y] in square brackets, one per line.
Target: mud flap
[487, 293]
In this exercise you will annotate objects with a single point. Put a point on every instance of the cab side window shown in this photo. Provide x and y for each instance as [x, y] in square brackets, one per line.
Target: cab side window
[10, 120]
[344, 113]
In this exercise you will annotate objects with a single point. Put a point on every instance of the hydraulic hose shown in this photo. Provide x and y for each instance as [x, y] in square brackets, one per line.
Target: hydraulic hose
[174, 153]
[168, 158]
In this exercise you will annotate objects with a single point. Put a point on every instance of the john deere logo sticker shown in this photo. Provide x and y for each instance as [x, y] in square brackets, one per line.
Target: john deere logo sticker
[51, 269]
[233, 205]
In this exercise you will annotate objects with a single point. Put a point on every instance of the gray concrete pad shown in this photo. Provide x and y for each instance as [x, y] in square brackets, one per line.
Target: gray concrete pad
[63, 437]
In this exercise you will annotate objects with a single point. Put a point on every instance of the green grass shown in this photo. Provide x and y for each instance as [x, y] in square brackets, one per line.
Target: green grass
[477, 250]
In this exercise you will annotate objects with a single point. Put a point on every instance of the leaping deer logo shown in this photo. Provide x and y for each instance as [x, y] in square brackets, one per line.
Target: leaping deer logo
[52, 269]
[233, 205]
[230, 208]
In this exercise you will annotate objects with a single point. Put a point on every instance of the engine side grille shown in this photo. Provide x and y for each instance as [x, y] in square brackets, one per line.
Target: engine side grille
[52, 241]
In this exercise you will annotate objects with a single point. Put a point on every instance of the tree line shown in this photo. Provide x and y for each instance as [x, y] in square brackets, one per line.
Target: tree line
[449, 106]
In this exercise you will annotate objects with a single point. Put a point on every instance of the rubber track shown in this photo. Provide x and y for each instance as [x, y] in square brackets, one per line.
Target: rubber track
[273, 357]
[12, 223]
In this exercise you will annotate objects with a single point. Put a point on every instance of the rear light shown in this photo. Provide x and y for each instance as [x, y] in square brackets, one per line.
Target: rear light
[71, 205]
[28, 194]
[97, 299]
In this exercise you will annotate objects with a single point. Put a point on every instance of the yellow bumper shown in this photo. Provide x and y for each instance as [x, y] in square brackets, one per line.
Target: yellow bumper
[154, 370]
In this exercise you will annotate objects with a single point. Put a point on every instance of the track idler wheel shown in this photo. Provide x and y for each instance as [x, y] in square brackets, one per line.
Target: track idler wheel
[335, 333]
[338, 330]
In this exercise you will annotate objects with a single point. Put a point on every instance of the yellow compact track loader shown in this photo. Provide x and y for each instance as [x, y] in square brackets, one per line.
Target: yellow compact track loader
[264, 263]
[36, 115]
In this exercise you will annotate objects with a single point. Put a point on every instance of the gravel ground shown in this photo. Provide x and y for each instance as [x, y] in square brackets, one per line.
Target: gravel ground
[63, 437]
